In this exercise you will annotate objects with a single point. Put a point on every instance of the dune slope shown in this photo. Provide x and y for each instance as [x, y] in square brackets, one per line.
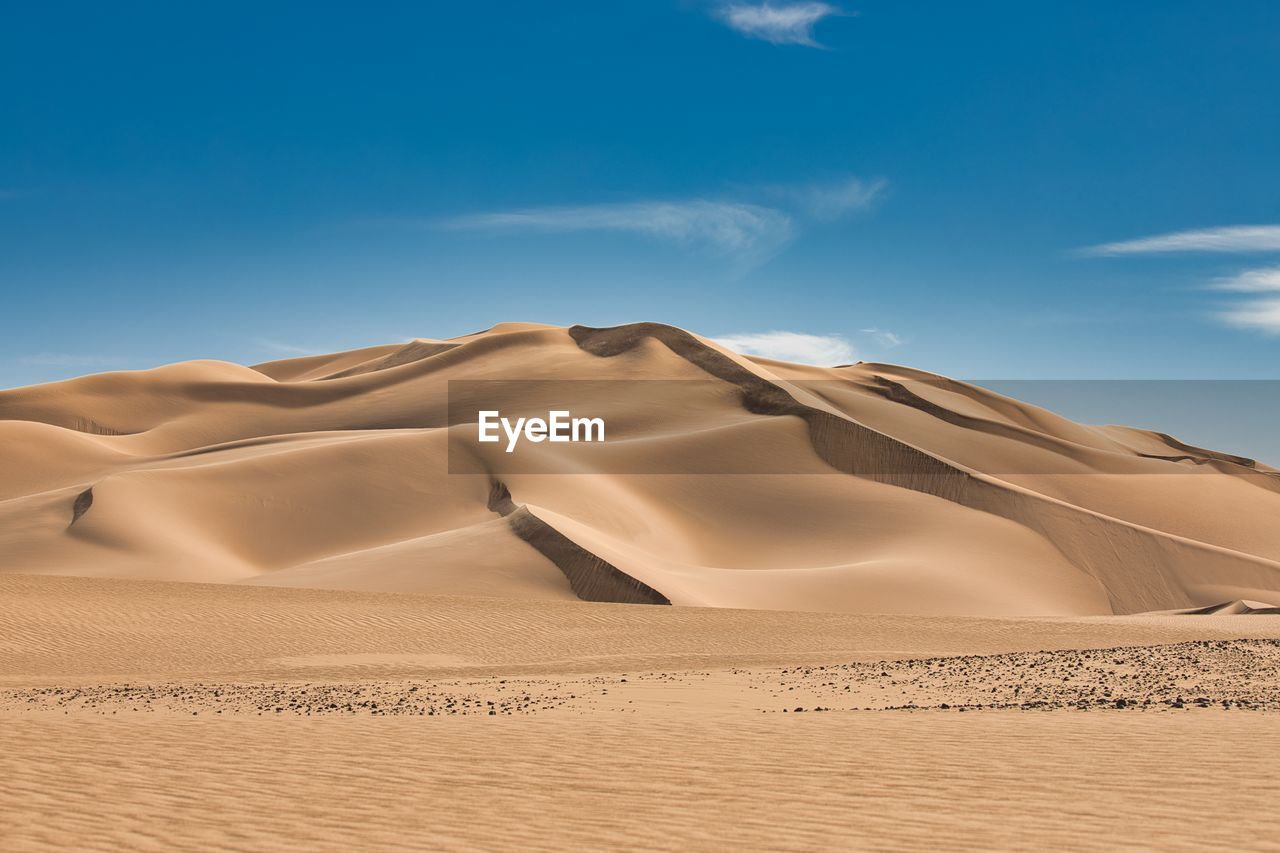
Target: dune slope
[725, 481]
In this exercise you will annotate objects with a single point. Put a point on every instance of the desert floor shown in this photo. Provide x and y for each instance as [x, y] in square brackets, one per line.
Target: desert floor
[171, 715]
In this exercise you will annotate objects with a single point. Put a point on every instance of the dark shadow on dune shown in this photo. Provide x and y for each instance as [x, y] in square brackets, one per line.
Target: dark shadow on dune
[1126, 560]
[1234, 608]
[841, 443]
[92, 427]
[591, 578]
[1200, 454]
[500, 499]
[84, 500]
[407, 354]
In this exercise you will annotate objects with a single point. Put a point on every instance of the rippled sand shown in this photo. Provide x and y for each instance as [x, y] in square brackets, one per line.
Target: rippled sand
[920, 780]
[163, 716]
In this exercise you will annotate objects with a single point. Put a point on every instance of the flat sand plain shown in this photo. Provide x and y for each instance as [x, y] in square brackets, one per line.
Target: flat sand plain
[161, 716]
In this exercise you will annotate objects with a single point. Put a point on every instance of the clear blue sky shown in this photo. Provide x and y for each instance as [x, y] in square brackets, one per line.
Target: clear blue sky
[250, 181]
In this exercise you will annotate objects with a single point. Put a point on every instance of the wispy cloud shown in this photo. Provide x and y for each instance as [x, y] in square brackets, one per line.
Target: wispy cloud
[721, 226]
[828, 201]
[884, 337]
[66, 359]
[1259, 313]
[1230, 238]
[824, 350]
[744, 229]
[786, 23]
[1251, 281]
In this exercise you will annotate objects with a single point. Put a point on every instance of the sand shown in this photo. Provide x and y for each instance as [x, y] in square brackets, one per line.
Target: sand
[167, 715]
[295, 606]
[725, 482]
[1050, 781]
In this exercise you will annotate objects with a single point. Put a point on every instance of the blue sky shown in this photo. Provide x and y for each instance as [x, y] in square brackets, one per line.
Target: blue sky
[953, 186]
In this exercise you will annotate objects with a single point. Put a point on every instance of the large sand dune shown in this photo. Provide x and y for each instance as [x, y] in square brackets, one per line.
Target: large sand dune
[752, 483]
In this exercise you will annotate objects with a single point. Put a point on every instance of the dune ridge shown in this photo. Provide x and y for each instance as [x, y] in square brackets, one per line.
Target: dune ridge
[591, 578]
[906, 492]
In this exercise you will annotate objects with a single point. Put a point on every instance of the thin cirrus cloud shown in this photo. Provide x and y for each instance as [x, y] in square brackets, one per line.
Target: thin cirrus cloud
[1229, 238]
[724, 227]
[832, 200]
[727, 227]
[884, 337]
[1265, 280]
[1259, 313]
[786, 23]
[823, 350]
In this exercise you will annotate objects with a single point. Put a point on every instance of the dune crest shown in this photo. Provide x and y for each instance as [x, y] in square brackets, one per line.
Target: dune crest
[892, 490]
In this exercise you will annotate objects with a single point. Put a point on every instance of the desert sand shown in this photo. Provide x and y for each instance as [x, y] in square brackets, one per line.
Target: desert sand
[168, 715]
[737, 483]
[295, 606]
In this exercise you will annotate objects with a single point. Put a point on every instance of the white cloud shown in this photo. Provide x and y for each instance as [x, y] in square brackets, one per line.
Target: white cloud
[725, 227]
[884, 337]
[1230, 238]
[831, 201]
[788, 23]
[1262, 280]
[823, 350]
[749, 231]
[1259, 315]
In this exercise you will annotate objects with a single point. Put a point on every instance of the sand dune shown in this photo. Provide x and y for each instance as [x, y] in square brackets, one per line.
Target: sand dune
[744, 483]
